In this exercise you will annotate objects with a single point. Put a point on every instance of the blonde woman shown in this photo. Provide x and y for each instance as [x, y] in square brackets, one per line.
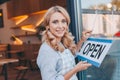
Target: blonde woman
[57, 52]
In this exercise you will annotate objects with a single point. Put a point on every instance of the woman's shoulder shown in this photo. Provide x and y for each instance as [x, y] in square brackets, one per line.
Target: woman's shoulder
[44, 44]
[46, 48]
[47, 51]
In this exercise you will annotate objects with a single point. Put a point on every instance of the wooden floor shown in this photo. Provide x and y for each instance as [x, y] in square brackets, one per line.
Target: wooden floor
[30, 75]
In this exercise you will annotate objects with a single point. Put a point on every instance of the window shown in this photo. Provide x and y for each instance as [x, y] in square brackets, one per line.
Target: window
[101, 16]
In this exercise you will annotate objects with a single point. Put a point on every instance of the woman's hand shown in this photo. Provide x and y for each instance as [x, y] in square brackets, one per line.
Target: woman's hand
[82, 65]
[85, 35]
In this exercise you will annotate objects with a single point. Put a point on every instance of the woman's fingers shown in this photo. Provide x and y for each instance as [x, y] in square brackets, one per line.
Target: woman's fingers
[86, 34]
[83, 65]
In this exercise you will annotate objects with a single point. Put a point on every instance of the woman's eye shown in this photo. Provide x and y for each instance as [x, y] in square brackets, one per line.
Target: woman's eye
[55, 22]
[64, 21]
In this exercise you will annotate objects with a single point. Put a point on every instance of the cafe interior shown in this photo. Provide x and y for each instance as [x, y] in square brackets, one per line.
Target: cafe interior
[21, 32]
[20, 37]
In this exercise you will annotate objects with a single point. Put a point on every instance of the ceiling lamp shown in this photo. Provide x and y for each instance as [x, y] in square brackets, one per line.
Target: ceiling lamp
[40, 21]
[28, 28]
[39, 12]
[19, 19]
[16, 40]
[0, 14]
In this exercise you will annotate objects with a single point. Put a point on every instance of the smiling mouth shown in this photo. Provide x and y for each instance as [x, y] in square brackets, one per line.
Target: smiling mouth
[60, 31]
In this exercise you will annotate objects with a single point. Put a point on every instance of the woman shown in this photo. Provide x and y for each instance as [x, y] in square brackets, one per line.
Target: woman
[57, 52]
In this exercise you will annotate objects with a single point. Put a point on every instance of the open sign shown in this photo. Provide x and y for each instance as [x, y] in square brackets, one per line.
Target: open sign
[94, 50]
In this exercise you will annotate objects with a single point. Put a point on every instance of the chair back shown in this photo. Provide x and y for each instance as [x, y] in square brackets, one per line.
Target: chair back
[3, 49]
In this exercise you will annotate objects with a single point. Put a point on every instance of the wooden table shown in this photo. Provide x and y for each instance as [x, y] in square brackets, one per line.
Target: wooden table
[4, 62]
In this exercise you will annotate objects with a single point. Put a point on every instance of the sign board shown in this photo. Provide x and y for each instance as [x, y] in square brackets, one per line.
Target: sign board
[94, 50]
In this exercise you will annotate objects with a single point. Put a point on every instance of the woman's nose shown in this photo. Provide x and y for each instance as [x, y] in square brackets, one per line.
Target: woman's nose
[60, 25]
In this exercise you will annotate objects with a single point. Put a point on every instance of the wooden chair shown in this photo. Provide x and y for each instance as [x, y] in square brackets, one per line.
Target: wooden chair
[31, 55]
[3, 49]
[17, 51]
[22, 70]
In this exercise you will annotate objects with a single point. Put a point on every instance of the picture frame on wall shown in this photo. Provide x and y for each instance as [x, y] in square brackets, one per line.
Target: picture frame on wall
[1, 19]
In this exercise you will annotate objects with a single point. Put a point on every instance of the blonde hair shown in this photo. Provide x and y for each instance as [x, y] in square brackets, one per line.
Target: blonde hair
[67, 39]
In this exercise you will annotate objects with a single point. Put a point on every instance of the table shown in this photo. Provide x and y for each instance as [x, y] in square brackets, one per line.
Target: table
[4, 62]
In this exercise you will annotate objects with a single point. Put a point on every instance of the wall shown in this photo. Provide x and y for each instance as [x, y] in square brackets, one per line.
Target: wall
[6, 32]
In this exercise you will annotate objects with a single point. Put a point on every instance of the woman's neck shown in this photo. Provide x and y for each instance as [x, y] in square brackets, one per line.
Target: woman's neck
[58, 40]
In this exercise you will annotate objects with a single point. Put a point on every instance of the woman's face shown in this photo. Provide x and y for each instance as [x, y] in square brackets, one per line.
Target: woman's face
[58, 25]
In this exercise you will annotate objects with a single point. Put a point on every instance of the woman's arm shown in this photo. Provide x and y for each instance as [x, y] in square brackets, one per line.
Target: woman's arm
[82, 65]
[79, 44]
[85, 35]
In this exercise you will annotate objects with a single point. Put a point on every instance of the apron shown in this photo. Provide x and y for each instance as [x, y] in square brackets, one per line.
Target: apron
[68, 61]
